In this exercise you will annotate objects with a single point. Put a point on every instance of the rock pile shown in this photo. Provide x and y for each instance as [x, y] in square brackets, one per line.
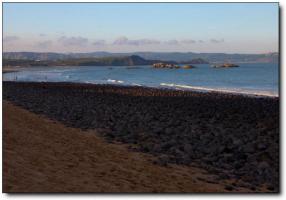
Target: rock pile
[165, 65]
[232, 136]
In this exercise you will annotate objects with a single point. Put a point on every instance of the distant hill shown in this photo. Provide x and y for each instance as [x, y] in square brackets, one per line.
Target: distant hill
[211, 57]
[35, 56]
[162, 56]
[104, 61]
[195, 61]
[24, 63]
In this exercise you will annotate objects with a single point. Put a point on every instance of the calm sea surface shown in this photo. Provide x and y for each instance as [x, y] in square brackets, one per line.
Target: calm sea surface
[257, 78]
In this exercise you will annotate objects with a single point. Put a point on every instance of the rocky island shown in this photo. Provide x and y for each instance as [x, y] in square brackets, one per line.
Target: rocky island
[225, 65]
[166, 65]
[171, 66]
[188, 67]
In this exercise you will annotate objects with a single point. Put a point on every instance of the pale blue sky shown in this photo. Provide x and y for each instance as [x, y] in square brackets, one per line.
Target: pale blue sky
[124, 27]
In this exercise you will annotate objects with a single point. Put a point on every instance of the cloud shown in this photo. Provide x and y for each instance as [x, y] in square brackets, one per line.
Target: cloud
[125, 41]
[148, 41]
[121, 41]
[201, 41]
[188, 41]
[42, 35]
[99, 43]
[10, 38]
[73, 41]
[172, 42]
[44, 44]
[216, 41]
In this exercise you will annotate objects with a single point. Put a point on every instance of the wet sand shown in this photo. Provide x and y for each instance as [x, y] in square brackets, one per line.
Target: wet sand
[233, 137]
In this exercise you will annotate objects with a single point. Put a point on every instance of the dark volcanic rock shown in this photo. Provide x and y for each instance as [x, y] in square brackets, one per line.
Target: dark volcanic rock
[234, 135]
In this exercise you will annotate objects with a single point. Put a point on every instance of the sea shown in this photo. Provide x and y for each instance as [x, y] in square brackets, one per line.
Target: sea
[260, 79]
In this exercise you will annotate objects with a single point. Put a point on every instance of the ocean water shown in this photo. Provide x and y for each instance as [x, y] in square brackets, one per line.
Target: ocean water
[252, 78]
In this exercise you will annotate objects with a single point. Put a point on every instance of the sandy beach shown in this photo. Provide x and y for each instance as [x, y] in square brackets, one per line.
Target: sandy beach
[64, 137]
[42, 155]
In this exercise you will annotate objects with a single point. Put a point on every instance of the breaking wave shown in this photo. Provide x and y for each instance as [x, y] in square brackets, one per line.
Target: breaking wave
[233, 91]
[114, 81]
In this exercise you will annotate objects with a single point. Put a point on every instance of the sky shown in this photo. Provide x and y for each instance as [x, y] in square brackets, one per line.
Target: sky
[129, 27]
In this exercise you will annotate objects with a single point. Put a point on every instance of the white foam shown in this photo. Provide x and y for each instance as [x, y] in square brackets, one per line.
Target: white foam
[233, 91]
[89, 82]
[136, 84]
[114, 81]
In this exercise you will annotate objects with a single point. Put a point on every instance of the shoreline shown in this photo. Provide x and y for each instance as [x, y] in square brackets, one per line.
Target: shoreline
[232, 136]
[188, 89]
[224, 91]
